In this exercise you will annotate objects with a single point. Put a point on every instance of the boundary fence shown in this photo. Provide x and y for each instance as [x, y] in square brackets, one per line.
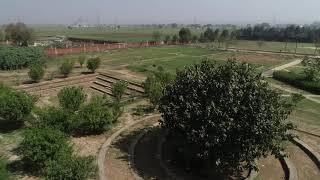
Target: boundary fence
[85, 48]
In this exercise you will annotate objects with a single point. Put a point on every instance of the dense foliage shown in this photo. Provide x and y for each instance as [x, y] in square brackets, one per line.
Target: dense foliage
[41, 145]
[12, 58]
[224, 117]
[18, 33]
[14, 106]
[93, 64]
[36, 72]
[71, 98]
[118, 90]
[299, 80]
[70, 168]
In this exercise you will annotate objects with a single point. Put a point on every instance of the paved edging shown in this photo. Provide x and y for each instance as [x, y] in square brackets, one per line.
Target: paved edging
[104, 148]
[132, 152]
[290, 169]
[315, 156]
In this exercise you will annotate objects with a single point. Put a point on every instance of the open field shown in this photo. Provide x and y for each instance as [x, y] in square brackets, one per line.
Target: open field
[141, 60]
[124, 34]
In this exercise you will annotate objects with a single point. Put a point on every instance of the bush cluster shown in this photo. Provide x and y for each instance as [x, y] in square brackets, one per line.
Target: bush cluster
[12, 58]
[4, 173]
[66, 68]
[76, 117]
[36, 72]
[49, 152]
[298, 80]
[93, 64]
[14, 106]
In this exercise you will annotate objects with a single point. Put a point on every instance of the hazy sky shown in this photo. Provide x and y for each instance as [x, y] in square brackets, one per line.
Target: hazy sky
[159, 11]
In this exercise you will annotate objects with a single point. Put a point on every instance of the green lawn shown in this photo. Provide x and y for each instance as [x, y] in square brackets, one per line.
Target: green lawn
[307, 116]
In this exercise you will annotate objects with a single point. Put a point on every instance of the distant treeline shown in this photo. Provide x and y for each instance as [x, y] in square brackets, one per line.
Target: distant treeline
[291, 33]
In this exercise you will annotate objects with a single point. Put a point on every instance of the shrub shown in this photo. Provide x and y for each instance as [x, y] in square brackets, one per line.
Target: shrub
[297, 80]
[81, 60]
[71, 98]
[41, 145]
[93, 64]
[118, 89]
[14, 106]
[224, 117]
[55, 118]
[155, 85]
[94, 118]
[70, 167]
[66, 68]
[12, 58]
[36, 72]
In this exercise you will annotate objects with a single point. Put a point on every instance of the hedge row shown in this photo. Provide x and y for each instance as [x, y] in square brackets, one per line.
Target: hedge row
[297, 80]
[12, 58]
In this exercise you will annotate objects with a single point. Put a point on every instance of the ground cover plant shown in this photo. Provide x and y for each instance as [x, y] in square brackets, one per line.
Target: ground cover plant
[224, 117]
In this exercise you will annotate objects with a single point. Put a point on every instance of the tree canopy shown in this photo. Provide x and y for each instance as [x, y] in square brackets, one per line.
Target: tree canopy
[185, 35]
[224, 116]
[18, 33]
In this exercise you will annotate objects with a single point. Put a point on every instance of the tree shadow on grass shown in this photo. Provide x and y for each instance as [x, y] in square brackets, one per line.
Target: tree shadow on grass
[10, 126]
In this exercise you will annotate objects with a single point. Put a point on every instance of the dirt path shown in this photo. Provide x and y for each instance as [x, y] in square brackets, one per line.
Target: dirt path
[269, 73]
[270, 168]
[117, 160]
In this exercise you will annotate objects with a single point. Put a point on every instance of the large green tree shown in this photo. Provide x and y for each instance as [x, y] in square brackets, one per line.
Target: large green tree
[224, 117]
[18, 33]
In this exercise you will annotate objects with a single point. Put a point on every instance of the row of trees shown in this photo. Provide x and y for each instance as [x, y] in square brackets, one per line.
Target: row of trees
[18, 33]
[185, 36]
[37, 71]
[290, 33]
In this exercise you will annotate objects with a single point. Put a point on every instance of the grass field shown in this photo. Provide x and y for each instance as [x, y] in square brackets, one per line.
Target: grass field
[144, 59]
[305, 48]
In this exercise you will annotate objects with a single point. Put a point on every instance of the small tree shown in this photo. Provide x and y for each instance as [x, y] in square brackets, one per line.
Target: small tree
[312, 69]
[14, 106]
[175, 39]
[156, 36]
[71, 98]
[81, 60]
[209, 35]
[260, 43]
[93, 64]
[118, 89]
[36, 72]
[94, 117]
[224, 117]
[185, 35]
[167, 39]
[66, 68]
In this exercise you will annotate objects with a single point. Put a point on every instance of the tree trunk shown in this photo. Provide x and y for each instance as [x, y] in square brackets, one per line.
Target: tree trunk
[295, 51]
[285, 47]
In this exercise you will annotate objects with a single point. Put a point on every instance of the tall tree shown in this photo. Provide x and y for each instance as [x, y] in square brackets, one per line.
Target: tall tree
[19, 34]
[209, 35]
[185, 35]
[224, 36]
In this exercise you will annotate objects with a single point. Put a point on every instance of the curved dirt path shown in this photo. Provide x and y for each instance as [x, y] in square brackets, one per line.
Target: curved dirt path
[105, 147]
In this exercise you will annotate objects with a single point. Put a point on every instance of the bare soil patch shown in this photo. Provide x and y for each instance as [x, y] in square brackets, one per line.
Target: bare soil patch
[270, 168]
[265, 59]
